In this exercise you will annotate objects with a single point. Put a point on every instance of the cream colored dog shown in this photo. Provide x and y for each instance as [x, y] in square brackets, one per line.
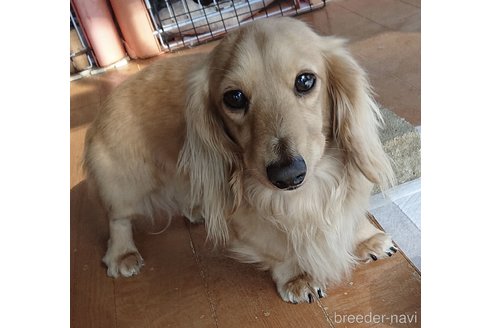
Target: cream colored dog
[272, 139]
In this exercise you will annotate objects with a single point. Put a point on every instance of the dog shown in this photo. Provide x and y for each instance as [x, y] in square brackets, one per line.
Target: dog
[271, 139]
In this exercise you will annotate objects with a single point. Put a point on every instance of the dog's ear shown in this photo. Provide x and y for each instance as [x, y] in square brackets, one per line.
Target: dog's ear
[208, 158]
[355, 115]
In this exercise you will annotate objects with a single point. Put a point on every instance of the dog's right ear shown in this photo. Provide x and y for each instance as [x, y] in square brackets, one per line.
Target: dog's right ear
[207, 156]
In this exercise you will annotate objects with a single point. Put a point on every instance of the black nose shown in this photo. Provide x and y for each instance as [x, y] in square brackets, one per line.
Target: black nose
[287, 174]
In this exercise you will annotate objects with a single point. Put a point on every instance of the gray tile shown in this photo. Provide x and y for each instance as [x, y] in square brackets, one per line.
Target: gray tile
[403, 190]
[379, 200]
[410, 205]
[403, 230]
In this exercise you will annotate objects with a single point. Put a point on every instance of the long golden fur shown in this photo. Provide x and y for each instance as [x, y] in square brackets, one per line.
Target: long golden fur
[166, 141]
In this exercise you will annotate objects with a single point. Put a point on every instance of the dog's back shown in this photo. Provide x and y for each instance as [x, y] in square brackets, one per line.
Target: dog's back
[133, 145]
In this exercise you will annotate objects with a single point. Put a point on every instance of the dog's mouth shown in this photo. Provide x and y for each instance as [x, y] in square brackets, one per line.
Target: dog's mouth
[293, 187]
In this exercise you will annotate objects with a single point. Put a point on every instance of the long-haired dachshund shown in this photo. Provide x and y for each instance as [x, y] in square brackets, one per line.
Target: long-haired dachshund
[271, 139]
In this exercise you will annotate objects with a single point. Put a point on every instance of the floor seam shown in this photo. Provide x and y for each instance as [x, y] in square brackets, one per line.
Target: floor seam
[325, 314]
[405, 202]
[410, 4]
[74, 250]
[396, 193]
[360, 15]
[371, 20]
[403, 81]
[114, 301]
[204, 279]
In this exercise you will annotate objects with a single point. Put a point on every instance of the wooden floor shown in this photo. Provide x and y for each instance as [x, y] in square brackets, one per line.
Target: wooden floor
[186, 284]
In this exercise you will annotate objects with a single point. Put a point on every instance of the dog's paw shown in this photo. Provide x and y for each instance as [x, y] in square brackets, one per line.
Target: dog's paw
[378, 246]
[127, 265]
[300, 289]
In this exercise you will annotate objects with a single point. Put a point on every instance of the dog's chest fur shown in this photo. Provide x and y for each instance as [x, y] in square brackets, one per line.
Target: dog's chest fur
[314, 227]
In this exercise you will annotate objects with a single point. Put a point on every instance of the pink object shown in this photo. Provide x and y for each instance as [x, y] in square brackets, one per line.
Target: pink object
[98, 25]
[136, 27]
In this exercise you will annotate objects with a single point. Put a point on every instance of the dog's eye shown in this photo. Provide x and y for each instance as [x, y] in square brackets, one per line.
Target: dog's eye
[305, 82]
[235, 99]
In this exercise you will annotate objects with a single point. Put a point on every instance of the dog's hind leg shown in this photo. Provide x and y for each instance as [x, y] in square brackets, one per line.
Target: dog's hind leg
[122, 256]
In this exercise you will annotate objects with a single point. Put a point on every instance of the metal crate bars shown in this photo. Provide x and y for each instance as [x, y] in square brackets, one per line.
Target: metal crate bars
[186, 23]
[81, 56]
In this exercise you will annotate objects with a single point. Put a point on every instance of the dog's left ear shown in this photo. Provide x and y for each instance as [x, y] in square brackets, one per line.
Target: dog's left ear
[355, 115]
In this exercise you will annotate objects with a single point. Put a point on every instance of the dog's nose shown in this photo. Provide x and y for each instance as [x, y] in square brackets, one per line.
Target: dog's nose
[287, 174]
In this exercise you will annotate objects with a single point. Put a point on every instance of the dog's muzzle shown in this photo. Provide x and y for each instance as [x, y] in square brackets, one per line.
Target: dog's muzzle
[287, 174]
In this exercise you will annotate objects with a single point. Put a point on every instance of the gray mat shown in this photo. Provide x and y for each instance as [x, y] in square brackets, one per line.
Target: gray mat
[401, 141]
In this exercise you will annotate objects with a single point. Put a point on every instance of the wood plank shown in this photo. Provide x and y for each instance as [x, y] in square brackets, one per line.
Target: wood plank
[92, 293]
[246, 297]
[385, 293]
[169, 291]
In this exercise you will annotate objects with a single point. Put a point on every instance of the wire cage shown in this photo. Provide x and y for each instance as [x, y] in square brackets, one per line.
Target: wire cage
[186, 23]
[81, 56]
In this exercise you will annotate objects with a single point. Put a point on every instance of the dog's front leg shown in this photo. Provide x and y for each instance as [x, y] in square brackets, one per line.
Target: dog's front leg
[373, 243]
[295, 286]
[122, 256]
[256, 240]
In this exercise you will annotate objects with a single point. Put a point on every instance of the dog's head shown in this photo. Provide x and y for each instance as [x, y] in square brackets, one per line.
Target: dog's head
[267, 86]
[274, 96]
[281, 92]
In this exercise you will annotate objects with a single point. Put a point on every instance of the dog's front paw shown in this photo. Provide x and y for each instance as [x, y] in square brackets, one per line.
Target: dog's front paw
[378, 246]
[128, 264]
[300, 289]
